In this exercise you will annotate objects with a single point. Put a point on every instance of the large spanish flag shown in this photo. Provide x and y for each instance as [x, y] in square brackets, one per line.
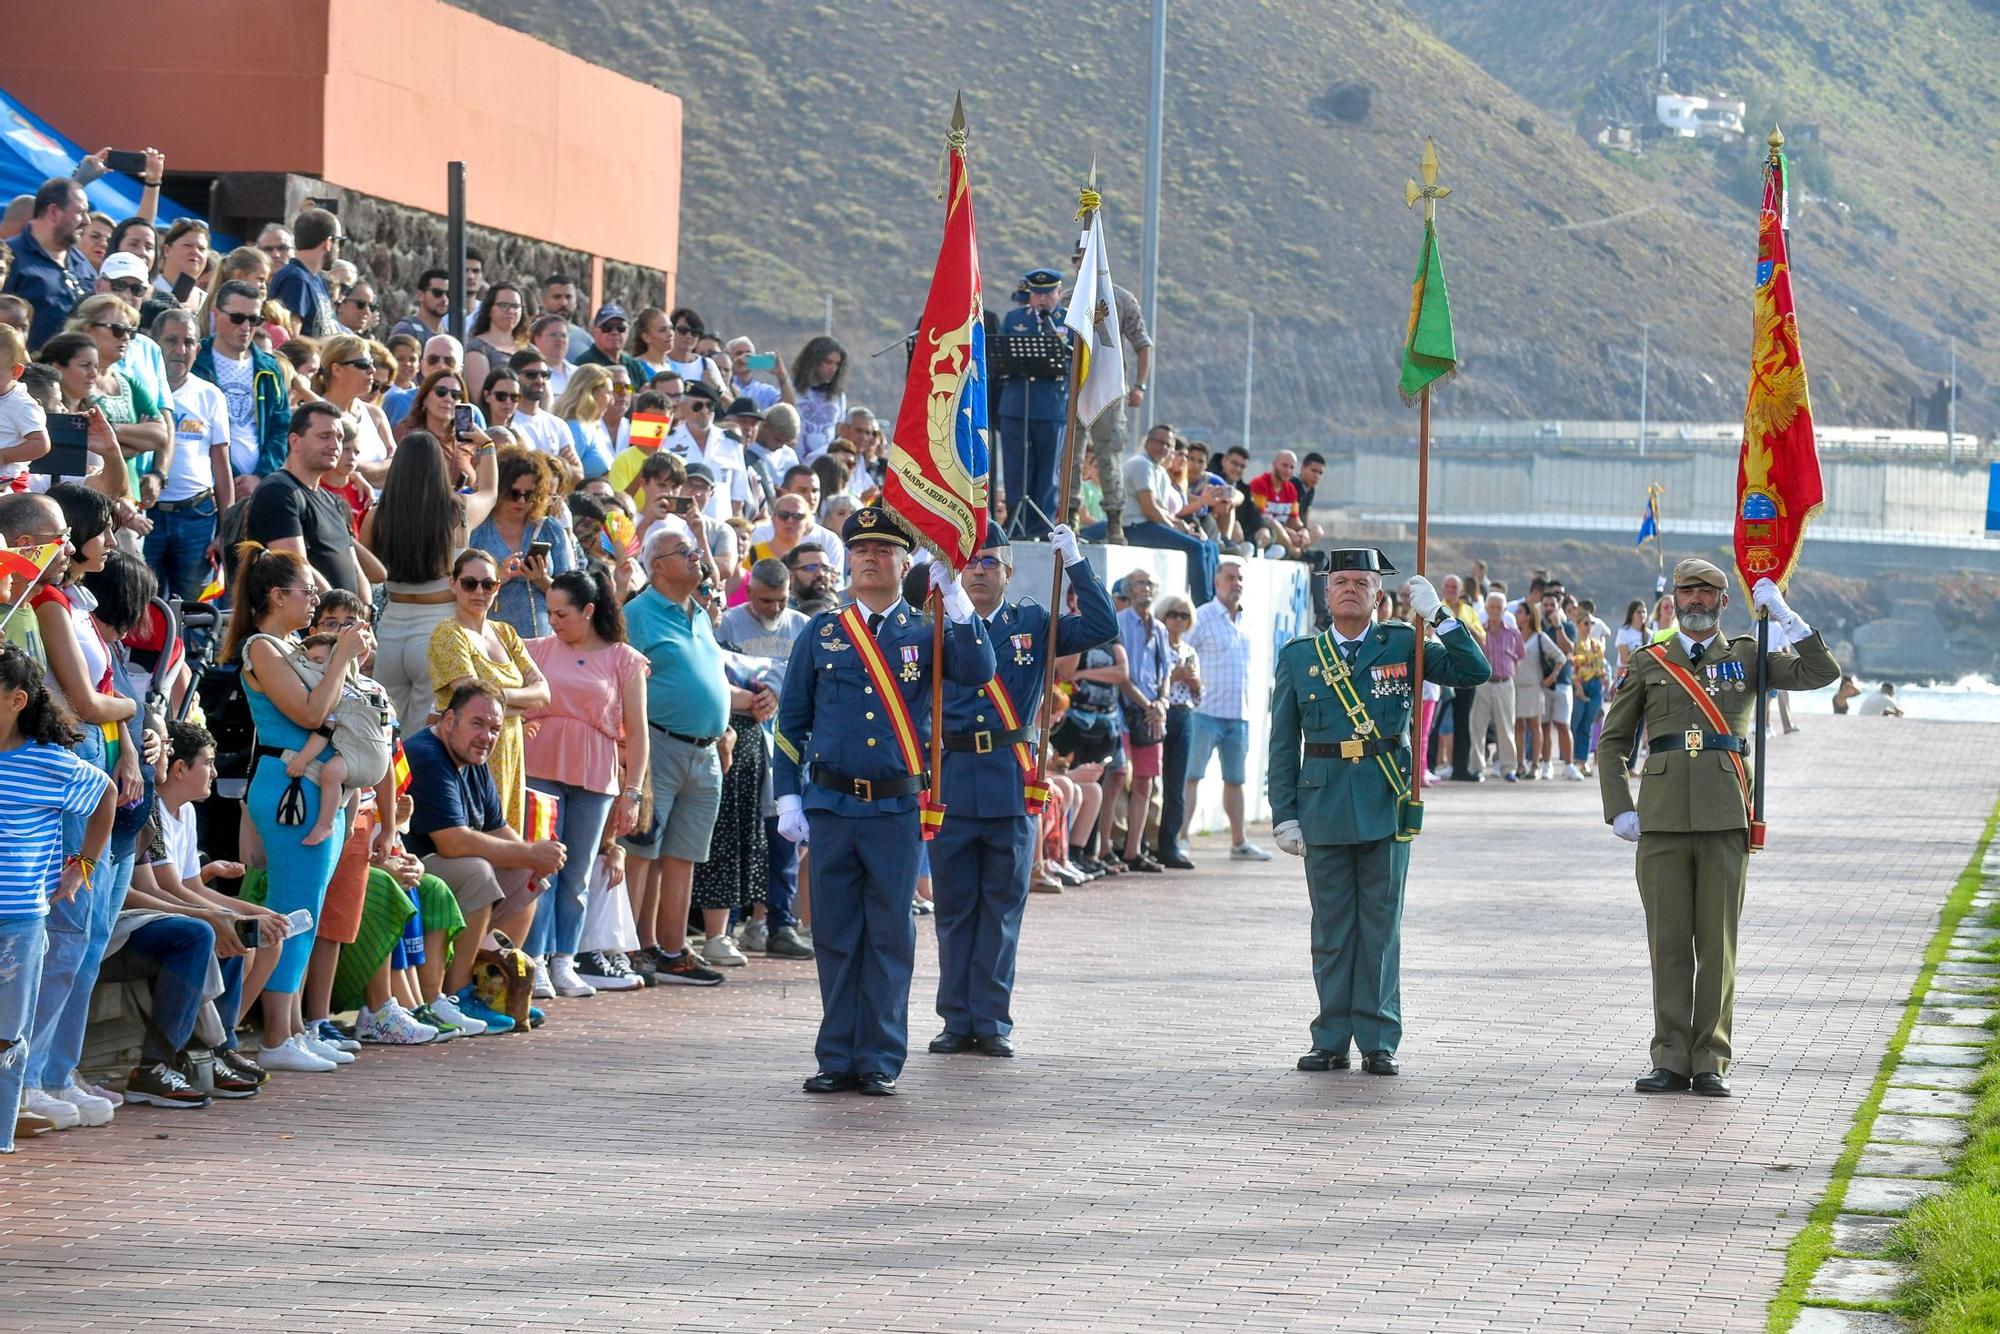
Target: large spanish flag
[938, 463]
[1778, 488]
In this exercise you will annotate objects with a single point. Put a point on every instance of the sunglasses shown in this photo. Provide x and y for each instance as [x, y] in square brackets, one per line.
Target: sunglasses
[115, 330]
[684, 329]
[701, 405]
[364, 364]
[617, 327]
[444, 391]
[437, 291]
[1176, 616]
[471, 585]
[361, 305]
[241, 316]
[132, 288]
[433, 359]
[534, 375]
[523, 496]
[504, 397]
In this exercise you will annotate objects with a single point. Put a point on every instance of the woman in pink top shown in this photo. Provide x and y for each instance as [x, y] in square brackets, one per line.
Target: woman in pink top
[587, 747]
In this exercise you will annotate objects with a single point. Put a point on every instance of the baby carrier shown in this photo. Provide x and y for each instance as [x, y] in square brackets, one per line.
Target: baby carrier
[362, 728]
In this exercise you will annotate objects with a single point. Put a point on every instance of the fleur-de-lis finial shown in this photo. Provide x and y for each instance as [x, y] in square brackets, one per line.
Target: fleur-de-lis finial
[1430, 191]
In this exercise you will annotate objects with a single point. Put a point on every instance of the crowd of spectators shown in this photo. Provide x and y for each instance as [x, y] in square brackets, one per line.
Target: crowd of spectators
[561, 564]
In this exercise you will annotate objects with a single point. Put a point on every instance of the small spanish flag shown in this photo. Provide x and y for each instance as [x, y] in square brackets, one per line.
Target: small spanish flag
[27, 562]
[212, 591]
[649, 429]
[541, 816]
[401, 769]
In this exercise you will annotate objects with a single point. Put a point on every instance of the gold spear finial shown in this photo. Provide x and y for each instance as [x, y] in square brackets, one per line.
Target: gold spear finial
[954, 141]
[1776, 140]
[1087, 199]
[1430, 191]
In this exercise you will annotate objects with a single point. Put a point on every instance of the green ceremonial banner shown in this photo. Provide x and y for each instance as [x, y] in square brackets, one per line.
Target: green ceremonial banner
[1429, 354]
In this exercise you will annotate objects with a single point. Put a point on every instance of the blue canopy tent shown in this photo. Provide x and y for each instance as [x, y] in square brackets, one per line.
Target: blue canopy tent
[31, 151]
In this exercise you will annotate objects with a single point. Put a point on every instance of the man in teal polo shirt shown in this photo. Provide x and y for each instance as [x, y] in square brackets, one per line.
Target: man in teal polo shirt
[687, 714]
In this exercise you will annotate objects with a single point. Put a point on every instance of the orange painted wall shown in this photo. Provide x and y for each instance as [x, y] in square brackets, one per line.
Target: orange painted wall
[374, 96]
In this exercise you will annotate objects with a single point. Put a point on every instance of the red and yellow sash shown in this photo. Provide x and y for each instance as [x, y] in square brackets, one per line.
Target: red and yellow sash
[1036, 794]
[856, 626]
[1719, 725]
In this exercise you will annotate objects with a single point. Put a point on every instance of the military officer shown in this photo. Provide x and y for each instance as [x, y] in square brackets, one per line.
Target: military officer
[1344, 698]
[853, 729]
[1031, 411]
[983, 854]
[1694, 695]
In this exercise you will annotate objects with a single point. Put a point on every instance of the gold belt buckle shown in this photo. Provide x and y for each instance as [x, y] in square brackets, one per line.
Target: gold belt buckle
[982, 743]
[1692, 740]
[864, 789]
[1353, 749]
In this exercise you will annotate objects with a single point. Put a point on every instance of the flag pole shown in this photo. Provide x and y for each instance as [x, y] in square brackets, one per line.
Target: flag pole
[1430, 192]
[1087, 201]
[1773, 163]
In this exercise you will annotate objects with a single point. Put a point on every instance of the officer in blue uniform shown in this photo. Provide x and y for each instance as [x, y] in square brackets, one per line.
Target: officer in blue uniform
[843, 782]
[981, 858]
[1031, 411]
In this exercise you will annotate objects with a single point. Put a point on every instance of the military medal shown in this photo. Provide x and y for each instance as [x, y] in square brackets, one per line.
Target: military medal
[1023, 644]
[911, 670]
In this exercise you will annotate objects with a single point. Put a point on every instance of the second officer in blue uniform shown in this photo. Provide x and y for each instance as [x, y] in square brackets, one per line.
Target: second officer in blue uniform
[853, 727]
[983, 854]
[1031, 411]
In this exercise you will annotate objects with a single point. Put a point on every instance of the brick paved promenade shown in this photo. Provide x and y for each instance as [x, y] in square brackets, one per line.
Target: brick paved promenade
[1150, 1160]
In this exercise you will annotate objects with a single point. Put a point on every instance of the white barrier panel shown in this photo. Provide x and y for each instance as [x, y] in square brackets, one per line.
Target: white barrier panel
[1276, 610]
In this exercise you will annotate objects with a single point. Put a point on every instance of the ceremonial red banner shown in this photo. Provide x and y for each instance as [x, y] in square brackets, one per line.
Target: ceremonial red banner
[1778, 487]
[938, 463]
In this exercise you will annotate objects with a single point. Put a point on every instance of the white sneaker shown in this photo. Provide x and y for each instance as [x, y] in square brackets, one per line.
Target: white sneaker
[293, 1054]
[1571, 772]
[326, 1051]
[112, 1096]
[754, 936]
[445, 1008]
[562, 973]
[721, 952]
[1442, 773]
[63, 1115]
[1248, 852]
[540, 988]
[393, 1026]
[90, 1109]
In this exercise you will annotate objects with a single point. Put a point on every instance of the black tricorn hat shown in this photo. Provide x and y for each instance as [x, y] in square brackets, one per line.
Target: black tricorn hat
[1358, 558]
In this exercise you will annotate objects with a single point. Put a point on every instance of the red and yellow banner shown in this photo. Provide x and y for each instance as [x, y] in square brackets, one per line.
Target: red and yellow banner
[1778, 487]
[939, 461]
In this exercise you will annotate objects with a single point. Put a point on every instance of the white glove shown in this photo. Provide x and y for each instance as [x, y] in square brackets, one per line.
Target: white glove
[1765, 594]
[792, 819]
[957, 606]
[1626, 826]
[1063, 538]
[1424, 599]
[1290, 839]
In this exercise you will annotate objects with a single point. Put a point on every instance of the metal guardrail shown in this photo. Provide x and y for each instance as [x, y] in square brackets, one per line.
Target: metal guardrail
[1971, 450]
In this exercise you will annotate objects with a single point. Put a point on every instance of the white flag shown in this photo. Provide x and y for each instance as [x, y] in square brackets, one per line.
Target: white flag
[1093, 315]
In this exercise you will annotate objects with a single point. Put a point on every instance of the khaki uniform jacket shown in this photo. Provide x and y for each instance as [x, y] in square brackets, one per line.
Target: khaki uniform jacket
[1686, 791]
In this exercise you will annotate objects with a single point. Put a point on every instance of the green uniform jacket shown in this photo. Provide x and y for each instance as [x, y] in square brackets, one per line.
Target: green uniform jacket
[1684, 792]
[1349, 801]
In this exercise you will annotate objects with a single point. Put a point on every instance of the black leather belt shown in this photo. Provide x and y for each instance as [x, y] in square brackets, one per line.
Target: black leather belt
[870, 789]
[1356, 748]
[701, 742]
[1693, 739]
[170, 506]
[980, 743]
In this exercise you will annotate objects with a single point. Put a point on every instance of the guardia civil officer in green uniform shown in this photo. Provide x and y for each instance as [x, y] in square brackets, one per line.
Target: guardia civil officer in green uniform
[1694, 695]
[1343, 702]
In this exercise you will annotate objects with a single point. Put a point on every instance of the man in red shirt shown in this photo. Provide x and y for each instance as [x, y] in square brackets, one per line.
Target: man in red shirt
[1276, 497]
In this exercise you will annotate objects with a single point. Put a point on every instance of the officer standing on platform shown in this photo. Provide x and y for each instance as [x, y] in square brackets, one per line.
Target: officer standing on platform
[983, 854]
[853, 729]
[1344, 697]
[1031, 411]
[1694, 694]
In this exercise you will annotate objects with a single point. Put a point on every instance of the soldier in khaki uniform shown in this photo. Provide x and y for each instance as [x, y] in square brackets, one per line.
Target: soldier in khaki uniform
[1692, 822]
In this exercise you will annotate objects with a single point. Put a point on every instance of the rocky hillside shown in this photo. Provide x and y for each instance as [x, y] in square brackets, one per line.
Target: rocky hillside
[811, 154]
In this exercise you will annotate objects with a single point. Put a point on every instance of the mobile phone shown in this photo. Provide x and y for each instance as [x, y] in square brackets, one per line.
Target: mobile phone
[680, 504]
[183, 285]
[461, 420]
[761, 361]
[246, 932]
[540, 550]
[131, 163]
[69, 446]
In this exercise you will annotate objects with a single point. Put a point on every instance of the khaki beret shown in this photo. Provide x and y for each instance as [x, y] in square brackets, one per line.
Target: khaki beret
[1695, 570]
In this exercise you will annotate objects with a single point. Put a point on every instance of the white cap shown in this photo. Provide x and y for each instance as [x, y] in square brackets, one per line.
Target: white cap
[124, 264]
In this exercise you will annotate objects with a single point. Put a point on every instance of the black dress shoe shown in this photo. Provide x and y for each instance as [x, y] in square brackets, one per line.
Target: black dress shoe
[993, 1044]
[949, 1043]
[1323, 1058]
[1662, 1080]
[831, 1081]
[878, 1086]
[1380, 1063]
[1174, 860]
[1711, 1085]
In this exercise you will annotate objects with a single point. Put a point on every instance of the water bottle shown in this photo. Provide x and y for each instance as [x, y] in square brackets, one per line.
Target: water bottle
[297, 922]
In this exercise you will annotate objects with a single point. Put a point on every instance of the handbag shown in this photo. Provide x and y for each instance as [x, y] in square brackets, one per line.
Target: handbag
[1087, 738]
[1139, 725]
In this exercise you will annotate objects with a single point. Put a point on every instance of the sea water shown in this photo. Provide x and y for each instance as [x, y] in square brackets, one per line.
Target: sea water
[1970, 699]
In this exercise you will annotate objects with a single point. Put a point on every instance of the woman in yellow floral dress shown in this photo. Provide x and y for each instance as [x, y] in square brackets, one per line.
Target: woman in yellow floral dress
[469, 644]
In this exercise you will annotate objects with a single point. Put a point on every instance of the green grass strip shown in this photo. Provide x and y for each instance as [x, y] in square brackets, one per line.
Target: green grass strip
[1813, 1245]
